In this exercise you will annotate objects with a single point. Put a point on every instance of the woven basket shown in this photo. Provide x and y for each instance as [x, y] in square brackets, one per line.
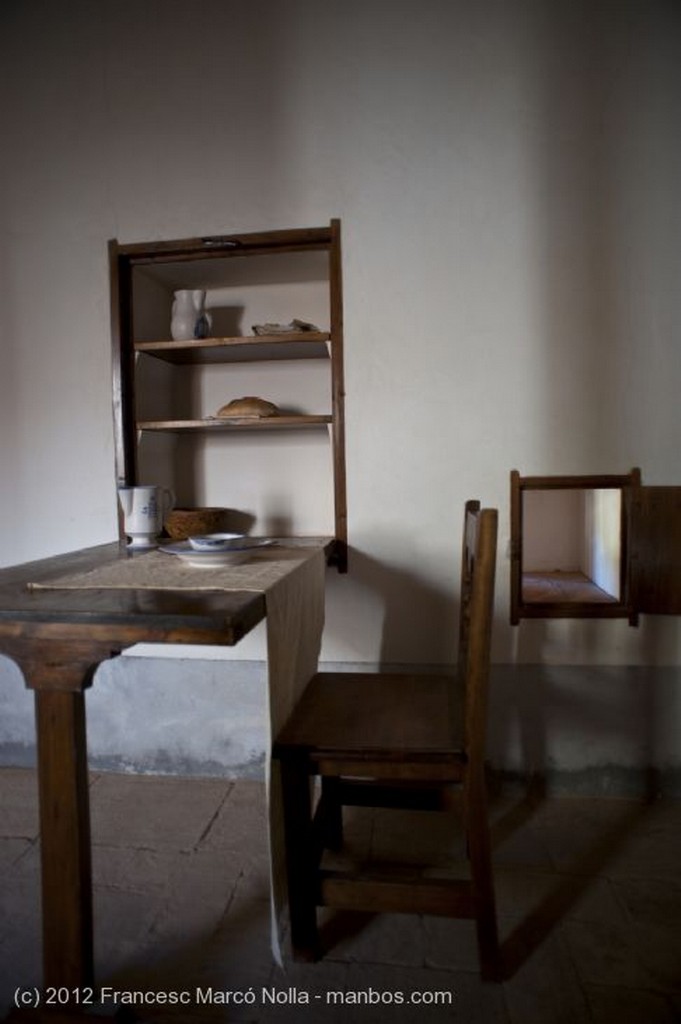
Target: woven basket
[181, 523]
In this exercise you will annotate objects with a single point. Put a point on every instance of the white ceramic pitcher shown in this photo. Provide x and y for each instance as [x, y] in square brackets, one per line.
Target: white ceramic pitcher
[189, 318]
[144, 510]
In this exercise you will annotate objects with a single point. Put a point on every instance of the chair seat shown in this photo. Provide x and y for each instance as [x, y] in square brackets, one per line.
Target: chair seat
[368, 717]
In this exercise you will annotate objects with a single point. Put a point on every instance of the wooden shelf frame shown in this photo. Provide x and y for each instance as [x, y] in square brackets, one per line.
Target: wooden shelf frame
[579, 607]
[649, 554]
[123, 259]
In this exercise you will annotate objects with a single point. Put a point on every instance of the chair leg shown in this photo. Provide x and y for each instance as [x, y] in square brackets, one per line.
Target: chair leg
[331, 813]
[479, 847]
[301, 865]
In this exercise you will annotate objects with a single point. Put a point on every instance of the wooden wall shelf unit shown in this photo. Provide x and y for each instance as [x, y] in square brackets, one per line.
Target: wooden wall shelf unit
[594, 547]
[212, 263]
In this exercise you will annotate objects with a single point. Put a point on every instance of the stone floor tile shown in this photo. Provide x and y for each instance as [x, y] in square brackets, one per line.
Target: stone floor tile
[425, 996]
[27, 864]
[196, 900]
[420, 837]
[20, 962]
[675, 1002]
[206, 971]
[544, 987]
[651, 900]
[511, 811]
[136, 869]
[451, 944]
[20, 903]
[244, 932]
[230, 965]
[223, 970]
[12, 851]
[659, 951]
[584, 836]
[123, 927]
[253, 882]
[239, 827]
[646, 855]
[629, 1006]
[18, 803]
[587, 811]
[154, 811]
[305, 992]
[525, 846]
[222, 964]
[545, 899]
[653, 906]
[211, 874]
[20, 922]
[588, 898]
[613, 838]
[604, 955]
[192, 1014]
[664, 818]
[186, 923]
[396, 939]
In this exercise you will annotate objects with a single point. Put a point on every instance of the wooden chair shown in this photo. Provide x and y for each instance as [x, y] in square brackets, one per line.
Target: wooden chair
[395, 740]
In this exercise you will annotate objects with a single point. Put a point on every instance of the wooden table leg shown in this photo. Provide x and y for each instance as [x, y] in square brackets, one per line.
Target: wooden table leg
[64, 838]
[59, 669]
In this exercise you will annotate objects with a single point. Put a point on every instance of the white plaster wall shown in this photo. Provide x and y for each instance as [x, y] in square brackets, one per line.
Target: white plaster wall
[553, 530]
[507, 179]
[602, 549]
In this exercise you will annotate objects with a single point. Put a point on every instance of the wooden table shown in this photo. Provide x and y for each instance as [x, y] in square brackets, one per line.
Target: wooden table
[58, 638]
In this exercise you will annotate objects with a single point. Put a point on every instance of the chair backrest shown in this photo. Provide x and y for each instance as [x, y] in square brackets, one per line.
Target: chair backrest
[478, 566]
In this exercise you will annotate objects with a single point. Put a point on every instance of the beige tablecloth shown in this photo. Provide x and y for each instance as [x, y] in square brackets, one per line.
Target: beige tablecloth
[260, 570]
[292, 580]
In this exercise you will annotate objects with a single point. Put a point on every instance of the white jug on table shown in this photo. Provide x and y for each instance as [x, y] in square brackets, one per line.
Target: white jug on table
[144, 510]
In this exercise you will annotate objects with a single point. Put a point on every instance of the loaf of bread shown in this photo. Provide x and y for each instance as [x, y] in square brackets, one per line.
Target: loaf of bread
[248, 407]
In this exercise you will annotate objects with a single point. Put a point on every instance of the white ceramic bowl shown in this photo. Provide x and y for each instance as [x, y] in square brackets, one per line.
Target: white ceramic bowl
[217, 541]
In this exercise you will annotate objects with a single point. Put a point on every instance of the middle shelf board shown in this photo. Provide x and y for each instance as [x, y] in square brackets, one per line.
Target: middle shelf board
[299, 345]
[217, 425]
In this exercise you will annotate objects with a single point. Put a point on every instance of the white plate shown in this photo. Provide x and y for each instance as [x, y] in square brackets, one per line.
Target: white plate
[213, 559]
[217, 541]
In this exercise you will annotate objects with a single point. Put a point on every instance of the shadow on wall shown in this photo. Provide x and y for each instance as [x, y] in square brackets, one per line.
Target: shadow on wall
[587, 727]
[419, 620]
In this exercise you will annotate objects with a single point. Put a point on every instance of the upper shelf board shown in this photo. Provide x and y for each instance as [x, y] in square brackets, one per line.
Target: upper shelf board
[298, 345]
[227, 260]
